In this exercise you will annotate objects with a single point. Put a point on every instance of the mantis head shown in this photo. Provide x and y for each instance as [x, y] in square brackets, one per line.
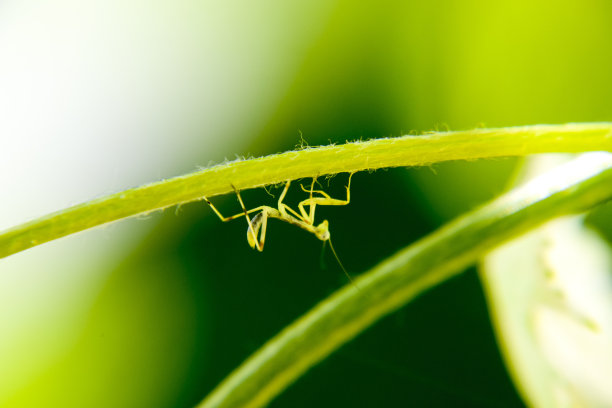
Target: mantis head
[322, 231]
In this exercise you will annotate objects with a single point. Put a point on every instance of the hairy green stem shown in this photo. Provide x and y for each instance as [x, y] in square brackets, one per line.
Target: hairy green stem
[310, 162]
[571, 188]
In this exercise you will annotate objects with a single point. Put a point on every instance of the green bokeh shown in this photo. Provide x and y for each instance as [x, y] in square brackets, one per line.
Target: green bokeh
[193, 301]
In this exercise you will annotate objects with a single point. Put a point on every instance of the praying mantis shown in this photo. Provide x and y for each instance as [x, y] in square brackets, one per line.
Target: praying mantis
[305, 219]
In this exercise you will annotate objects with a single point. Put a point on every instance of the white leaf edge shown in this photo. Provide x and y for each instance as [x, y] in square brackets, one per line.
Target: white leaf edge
[550, 298]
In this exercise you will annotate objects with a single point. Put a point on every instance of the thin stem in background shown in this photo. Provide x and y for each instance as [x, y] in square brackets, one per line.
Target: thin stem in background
[572, 188]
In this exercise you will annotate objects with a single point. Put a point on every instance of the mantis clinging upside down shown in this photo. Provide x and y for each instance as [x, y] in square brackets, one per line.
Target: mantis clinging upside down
[256, 232]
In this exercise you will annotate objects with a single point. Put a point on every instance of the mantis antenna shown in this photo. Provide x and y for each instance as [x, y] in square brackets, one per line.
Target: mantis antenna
[305, 219]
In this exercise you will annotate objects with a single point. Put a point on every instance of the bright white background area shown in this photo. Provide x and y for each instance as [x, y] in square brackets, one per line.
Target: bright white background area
[100, 96]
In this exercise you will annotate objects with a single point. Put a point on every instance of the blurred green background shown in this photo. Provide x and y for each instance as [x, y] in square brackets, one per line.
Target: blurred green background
[168, 305]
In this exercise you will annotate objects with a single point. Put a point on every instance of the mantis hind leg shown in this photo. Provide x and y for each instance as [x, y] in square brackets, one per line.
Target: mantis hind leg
[233, 217]
[253, 226]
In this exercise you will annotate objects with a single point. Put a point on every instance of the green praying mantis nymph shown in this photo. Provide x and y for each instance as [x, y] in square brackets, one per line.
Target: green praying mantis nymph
[256, 232]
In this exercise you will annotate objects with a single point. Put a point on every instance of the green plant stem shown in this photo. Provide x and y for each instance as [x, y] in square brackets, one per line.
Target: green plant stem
[572, 188]
[309, 162]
